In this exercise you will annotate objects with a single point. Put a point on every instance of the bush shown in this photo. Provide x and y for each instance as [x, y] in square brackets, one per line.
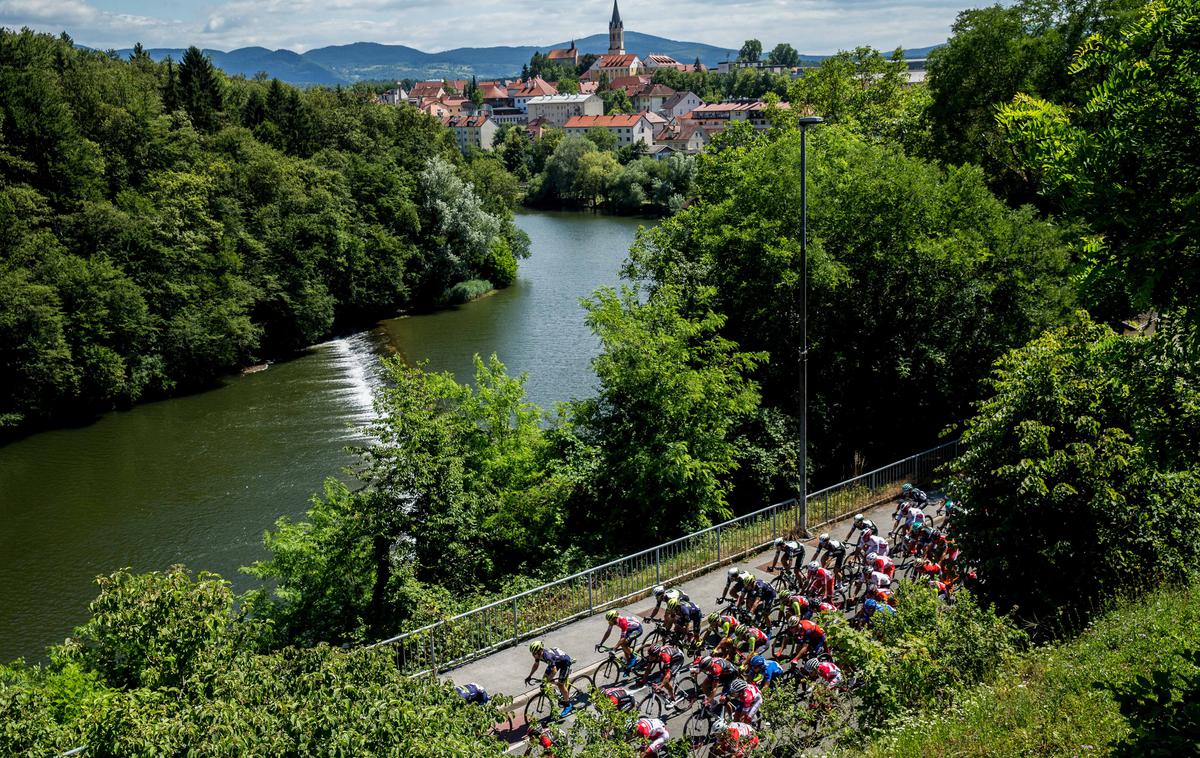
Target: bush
[465, 292]
[1081, 473]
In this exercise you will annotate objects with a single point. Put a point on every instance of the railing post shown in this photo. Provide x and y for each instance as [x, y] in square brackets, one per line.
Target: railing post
[804, 515]
[591, 605]
[718, 544]
[432, 655]
[516, 629]
[775, 522]
[658, 565]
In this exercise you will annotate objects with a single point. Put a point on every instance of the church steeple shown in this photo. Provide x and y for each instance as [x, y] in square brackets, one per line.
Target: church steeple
[616, 33]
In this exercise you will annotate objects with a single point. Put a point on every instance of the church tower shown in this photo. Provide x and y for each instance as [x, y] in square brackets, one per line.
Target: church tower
[616, 33]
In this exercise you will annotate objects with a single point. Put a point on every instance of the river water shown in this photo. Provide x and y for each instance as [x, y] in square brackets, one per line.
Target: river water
[197, 479]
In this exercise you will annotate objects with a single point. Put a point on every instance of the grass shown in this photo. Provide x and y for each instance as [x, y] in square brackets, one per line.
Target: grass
[1054, 700]
[465, 292]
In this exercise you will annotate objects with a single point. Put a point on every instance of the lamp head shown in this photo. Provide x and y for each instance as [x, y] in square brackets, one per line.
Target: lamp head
[806, 121]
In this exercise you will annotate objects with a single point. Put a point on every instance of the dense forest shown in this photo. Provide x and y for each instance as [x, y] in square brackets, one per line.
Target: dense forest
[164, 223]
[975, 248]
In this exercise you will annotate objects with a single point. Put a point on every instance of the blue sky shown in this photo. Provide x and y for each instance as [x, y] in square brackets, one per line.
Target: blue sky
[813, 26]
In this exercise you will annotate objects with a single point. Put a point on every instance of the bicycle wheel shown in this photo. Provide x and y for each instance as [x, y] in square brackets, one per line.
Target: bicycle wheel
[651, 705]
[538, 709]
[697, 729]
[580, 688]
[608, 673]
[687, 691]
[781, 584]
[657, 637]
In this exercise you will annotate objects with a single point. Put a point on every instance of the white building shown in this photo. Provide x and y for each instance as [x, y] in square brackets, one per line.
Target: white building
[473, 131]
[558, 109]
[637, 127]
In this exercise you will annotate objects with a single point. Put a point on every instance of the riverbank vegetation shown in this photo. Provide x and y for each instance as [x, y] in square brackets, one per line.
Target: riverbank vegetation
[935, 305]
[163, 223]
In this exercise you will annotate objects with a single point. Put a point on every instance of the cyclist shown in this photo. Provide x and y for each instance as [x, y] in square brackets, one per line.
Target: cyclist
[736, 740]
[791, 551]
[668, 658]
[723, 624]
[734, 579]
[882, 595]
[558, 668]
[750, 640]
[473, 693]
[653, 735]
[758, 594]
[720, 671]
[682, 614]
[744, 590]
[663, 595]
[745, 700]
[630, 628]
[909, 492]
[870, 608]
[943, 589]
[826, 671]
[834, 550]
[543, 737]
[861, 523]
[620, 697]
[811, 637]
[820, 581]
[871, 542]
[762, 671]
[795, 604]
[882, 564]
[874, 580]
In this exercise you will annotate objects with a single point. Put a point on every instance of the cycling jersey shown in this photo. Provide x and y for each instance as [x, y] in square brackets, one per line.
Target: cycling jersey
[472, 693]
[830, 673]
[795, 605]
[875, 544]
[821, 581]
[867, 524]
[885, 565]
[670, 656]
[669, 595]
[740, 735]
[557, 660]
[755, 636]
[657, 736]
[620, 697]
[878, 579]
[763, 590]
[763, 678]
[747, 703]
[723, 671]
[727, 625]
[630, 627]
[812, 635]
[689, 611]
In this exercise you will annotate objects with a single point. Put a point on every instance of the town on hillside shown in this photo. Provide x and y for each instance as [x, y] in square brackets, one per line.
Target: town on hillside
[665, 121]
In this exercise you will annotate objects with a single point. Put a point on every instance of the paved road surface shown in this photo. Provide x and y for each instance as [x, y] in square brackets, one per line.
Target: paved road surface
[505, 670]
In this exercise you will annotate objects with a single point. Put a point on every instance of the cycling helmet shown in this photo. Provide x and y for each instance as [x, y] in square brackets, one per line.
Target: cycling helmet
[810, 666]
[748, 579]
[813, 567]
[654, 650]
[611, 615]
[778, 541]
[858, 518]
[673, 604]
[793, 621]
[823, 538]
[706, 663]
[739, 686]
[536, 647]
[642, 727]
[758, 662]
[871, 605]
[659, 590]
[906, 488]
[872, 557]
[733, 571]
[714, 618]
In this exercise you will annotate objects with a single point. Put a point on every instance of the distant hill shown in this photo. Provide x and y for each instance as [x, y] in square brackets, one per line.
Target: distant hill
[362, 61]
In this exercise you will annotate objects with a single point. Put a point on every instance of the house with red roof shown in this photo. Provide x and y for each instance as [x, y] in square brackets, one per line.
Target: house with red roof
[614, 66]
[652, 97]
[567, 55]
[628, 129]
[426, 90]
[472, 131]
[522, 91]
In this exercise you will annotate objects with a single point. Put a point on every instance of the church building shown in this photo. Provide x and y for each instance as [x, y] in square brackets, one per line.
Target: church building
[616, 63]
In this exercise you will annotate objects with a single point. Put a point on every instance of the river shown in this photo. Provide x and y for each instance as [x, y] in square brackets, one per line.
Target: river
[197, 479]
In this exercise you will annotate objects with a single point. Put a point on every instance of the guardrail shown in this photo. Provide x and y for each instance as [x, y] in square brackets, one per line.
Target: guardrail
[456, 640]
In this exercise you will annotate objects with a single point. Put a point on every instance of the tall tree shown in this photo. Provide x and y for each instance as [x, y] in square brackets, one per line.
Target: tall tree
[200, 89]
[784, 55]
[751, 51]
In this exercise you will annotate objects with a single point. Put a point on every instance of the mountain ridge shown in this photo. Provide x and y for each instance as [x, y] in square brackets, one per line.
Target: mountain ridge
[373, 61]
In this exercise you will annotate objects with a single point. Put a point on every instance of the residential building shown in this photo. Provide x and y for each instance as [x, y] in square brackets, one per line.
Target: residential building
[614, 67]
[522, 91]
[588, 87]
[631, 84]
[916, 71]
[652, 97]
[557, 109]
[473, 131]
[654, 61]
[537, 127]
[684, 138]
[395, 96]
[637, 127]
[721, 115]
[494, 94]
[567, 55]
[725, 67]
[679, 104]
[435, 108]
[426, 90]
[508, 115]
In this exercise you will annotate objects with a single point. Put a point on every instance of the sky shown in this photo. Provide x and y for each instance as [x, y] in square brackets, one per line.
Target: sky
[812, 26]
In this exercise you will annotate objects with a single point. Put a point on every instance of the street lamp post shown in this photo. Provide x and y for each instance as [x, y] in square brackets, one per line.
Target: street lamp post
[805, 122]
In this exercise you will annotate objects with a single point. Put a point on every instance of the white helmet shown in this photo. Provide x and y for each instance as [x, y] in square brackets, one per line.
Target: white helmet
[872, 557]
[659, 590]
[733, 571]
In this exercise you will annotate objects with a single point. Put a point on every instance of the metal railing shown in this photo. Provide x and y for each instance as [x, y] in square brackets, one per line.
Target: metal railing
[480, 631]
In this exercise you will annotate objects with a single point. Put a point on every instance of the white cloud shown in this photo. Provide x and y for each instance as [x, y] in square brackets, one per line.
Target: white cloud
[814, 26]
